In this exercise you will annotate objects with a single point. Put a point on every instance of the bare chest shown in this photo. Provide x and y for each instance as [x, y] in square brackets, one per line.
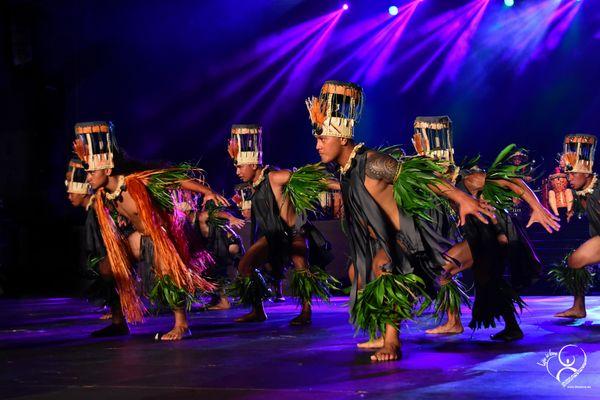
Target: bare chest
[128, 209]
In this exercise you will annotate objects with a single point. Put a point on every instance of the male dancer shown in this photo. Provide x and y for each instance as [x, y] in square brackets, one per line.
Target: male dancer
[280, 202]
[225, 246]
[243, 199]
[172, 267]
[380, 194]
[78, 190]
[80, 195]
[575, 273]
[486, 245]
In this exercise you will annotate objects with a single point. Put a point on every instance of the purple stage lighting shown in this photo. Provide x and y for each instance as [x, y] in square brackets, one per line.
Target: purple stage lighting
[393, 10]
[509, 3]
[298, 63]
[459, 50]
[345, 6]
[376, 66]
[529, 34]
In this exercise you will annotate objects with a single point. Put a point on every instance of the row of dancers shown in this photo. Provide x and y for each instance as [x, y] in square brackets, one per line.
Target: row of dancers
[413, 224]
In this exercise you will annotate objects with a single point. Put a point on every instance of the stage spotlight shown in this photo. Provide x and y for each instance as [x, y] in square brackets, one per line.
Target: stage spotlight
[345, 6]
[509, 3]
[393, 10]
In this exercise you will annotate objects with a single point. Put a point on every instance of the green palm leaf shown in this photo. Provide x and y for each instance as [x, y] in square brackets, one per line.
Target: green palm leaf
[389, 299]
[412, 186]
[305, 186]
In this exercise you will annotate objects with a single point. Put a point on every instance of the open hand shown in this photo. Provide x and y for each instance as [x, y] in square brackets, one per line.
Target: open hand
[545, 218]
[479, 209]
[237, 222]
[216, 198]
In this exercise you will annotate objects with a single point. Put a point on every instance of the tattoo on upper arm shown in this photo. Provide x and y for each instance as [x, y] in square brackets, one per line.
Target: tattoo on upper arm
[381, 167]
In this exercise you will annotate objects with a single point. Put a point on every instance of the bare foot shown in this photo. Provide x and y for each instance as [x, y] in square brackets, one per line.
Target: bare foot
[303, 319]
[177, 333]
[252, 316]
[448, 328]
[389, 352]
[106, 316]
[573, 312]
[223, 304]
[371, 344]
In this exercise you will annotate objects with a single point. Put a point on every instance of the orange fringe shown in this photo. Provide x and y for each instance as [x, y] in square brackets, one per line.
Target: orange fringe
[417, 140]
[120, 262]
[79, 149]
[317, 110]
[167, 260]
[233, 149]
[570, 158]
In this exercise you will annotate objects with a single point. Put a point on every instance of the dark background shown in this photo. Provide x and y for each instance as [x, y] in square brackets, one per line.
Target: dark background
[160, 70]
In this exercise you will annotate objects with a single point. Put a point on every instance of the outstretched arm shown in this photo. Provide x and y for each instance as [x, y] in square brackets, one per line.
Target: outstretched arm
[539, 213]
[384, 168]
[233, 220]
[206, 191]
[467, 205]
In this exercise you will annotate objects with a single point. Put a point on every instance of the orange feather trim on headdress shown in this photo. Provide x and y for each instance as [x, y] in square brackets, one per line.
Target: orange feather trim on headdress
[418, 143]
[233, 149]
[167, 259]
[119, 258]
[570, 158]
[317, 110]
[79, 149]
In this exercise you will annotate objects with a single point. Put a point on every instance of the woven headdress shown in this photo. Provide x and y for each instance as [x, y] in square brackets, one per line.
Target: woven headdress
[95, 144]
[578, 153]
[245, 144]
[433, 138]
[336, 110]
[76, 181]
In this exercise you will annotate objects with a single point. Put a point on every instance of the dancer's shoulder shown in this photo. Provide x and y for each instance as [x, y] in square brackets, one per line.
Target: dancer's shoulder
[381, 166]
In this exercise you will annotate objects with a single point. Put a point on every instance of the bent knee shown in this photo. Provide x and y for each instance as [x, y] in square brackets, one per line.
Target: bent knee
[502, 240]
[577, 261]
[234, 249]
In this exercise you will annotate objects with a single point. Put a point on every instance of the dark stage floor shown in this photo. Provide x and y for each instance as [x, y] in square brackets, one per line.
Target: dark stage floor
[46, 353]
